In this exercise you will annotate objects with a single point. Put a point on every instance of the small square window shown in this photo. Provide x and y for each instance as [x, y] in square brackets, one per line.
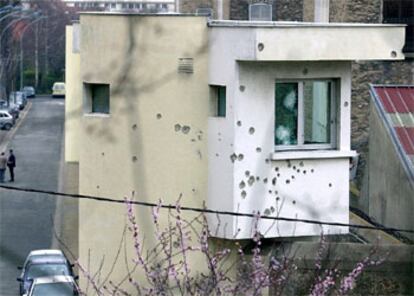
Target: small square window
[218, 101]
[97, 98]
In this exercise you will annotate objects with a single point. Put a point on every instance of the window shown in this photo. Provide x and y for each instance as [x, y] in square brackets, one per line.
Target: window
[305, 115]
[97, 98]
[401, 12]
[218, 100]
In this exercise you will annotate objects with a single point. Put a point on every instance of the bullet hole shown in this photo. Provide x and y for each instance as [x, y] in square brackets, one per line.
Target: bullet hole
[199, 137]
[260, 46]
[258, 149]
[185, 129]
[294, 202]
[330, 184]
[242, 185]
[242, 88]
[289, 165]
[277, 198]
[199, 154]
[265, 180]
[346, 104]
[251, 181]
[159, 116]
[267, 160]
[243, 194]
[270, 191]
[134, 127]
[276, 169]
[276, 192]
[278, 175]
[233, 157]
[217, 155]
[312, 170]
[272, 209]
[287, 181]
[247, 173]
[301, 164]
[274, 180]
[294, 167]
[251, 130]
[304, 172]
[298, 170]
[257, 178]
[134, 158]
[97, 187]
[393, 54]
[219, 139]
[239, 123]
[193, 140]
[267, 212]
[240, 157]
[177, 127]
[305, 71]
[103, 153]
[193, 190]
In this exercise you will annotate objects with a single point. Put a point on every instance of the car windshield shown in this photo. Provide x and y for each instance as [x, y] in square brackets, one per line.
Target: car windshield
[54, 289]
[43, 270]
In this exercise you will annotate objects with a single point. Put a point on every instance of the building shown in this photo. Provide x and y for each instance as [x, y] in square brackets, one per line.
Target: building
[182, 106]
[117, 5]
[391, 178]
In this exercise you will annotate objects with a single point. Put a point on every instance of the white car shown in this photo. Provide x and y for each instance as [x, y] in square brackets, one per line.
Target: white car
[6, 120]
[58, 285]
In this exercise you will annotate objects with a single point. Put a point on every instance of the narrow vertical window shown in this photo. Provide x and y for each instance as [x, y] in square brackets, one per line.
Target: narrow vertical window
[218, 101]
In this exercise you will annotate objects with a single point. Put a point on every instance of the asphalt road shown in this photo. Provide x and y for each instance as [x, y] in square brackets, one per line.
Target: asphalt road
[26, 219]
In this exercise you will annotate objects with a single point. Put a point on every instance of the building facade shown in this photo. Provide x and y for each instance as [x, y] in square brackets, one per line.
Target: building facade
[215, 113]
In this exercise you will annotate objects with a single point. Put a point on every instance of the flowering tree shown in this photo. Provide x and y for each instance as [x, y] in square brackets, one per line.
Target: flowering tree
[234, 270]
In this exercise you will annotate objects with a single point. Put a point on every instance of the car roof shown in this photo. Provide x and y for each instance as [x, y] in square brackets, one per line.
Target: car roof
[53, 279]
[47, 260]
[46, 252]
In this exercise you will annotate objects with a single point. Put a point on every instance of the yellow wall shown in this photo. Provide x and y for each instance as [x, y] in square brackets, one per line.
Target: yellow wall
[73, 104]
[138, 57]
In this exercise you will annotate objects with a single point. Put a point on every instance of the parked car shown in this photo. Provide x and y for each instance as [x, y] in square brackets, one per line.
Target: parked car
[12, 108]
[54, 286]
[29, 91]
[43, 263]
[58, 89]
[19, 98]
[6, 120]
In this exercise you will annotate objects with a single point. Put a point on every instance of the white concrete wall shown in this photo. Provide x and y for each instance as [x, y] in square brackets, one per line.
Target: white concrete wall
[318, 191]
[73, 102]
[313, 42]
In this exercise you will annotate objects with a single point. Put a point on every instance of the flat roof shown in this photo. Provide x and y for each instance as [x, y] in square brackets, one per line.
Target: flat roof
[266, 24]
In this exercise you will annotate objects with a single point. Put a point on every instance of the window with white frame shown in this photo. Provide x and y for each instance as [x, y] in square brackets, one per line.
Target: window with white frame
[305, 115]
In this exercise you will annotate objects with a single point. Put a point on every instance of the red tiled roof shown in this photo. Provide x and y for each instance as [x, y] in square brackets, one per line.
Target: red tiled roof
[397, 105]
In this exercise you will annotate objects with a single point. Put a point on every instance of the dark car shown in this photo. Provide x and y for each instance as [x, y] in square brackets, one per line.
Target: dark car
[37, 267]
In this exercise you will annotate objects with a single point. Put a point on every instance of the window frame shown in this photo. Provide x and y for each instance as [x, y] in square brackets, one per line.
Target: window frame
[89, 98]
[334, 117]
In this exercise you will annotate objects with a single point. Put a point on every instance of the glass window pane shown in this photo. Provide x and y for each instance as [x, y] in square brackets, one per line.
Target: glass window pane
[221, 103]
[317, 112]
[100, 98]
[286, 109]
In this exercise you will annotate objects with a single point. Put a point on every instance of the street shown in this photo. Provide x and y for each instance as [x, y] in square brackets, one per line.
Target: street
[26, 219]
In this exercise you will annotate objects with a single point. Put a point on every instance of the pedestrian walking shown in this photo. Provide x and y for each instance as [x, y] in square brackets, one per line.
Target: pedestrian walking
[11, 164]
[3, 162]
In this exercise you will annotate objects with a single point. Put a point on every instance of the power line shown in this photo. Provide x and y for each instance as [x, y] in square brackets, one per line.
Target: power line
[203, 210]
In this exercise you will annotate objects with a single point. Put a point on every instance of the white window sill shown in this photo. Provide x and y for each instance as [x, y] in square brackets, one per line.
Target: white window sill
[315, 154]
[99, 115]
